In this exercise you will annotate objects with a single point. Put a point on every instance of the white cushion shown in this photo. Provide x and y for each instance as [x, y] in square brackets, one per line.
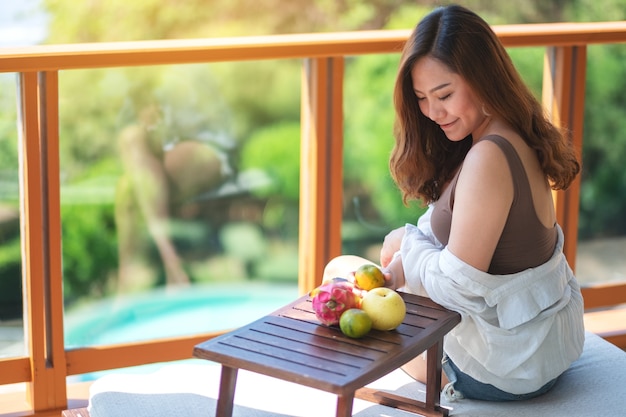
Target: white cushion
[593, 386]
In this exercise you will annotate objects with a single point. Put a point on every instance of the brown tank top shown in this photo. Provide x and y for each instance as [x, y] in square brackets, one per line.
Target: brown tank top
[525, 242]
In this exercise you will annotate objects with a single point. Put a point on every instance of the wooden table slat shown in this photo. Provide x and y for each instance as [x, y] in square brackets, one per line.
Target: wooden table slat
[424, 303]
[301, 373]
[331, 363]
[309, 349]
[418, 321]
[331, 337]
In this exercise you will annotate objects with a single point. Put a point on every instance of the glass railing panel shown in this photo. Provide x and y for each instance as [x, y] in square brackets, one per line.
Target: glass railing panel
[11, 323]
[179, 198]
[372, 203]
[529, 63]
[602, 224]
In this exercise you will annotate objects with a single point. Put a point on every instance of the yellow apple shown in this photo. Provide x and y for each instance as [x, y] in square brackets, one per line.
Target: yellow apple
[385, 307]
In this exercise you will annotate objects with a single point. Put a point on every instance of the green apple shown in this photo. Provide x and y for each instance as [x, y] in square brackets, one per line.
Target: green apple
[385, 307]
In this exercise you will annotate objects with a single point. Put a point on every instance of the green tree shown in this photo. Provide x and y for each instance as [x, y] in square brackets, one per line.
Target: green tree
[272, 150]
[369, 118]
[10, 253]
[603, 187]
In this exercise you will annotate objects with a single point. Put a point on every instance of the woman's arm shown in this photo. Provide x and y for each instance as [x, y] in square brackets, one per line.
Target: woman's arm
[482, 202]
[391, 245]
[393, 268]
[483, 197]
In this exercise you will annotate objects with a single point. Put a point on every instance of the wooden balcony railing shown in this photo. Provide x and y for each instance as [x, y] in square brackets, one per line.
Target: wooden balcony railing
[49, 363]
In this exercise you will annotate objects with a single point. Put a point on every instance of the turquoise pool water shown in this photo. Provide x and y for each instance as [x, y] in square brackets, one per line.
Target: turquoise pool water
[171, 312]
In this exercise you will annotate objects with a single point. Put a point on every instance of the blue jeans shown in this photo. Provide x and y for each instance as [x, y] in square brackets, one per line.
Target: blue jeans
[464, 386]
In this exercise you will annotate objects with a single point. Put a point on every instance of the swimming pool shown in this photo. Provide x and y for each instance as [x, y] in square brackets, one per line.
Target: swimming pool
[171, 312]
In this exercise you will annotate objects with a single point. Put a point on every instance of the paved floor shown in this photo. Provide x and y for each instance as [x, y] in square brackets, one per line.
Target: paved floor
[602, 260]
[11, 339]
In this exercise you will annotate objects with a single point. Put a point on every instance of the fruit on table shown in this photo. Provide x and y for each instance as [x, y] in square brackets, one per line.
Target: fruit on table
[314, 291]
[385, 307]
[332, 299]
[355, 323]
[368, 277]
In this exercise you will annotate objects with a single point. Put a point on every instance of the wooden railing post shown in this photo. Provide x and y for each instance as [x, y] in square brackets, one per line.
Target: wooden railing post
[564, 100]
[41, 239]
[51, 167]
[321, 167]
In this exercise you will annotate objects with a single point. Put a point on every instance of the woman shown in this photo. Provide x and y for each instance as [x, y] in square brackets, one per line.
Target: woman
[473, 143]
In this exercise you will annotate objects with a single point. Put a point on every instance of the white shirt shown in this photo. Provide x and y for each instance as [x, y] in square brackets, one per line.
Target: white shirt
[518, 331]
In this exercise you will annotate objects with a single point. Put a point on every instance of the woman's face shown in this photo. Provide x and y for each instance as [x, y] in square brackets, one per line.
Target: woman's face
[446, 99]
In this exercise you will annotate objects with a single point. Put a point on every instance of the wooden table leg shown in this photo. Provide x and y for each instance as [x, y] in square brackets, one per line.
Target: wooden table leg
[433, 375]
[344, 405]
[227, 392]
[432, 406]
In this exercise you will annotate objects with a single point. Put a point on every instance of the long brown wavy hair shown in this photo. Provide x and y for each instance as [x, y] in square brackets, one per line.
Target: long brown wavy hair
[423, 159]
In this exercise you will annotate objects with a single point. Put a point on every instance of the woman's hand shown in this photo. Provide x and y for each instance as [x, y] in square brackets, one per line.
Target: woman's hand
[394, 274]
[391, 244]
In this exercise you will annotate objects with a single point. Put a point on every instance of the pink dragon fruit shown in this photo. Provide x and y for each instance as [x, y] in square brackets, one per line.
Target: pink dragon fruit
[332, 299]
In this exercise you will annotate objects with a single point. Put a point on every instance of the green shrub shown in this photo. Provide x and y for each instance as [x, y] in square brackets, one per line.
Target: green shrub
[89, 249]
[10, 279]
[275, 150]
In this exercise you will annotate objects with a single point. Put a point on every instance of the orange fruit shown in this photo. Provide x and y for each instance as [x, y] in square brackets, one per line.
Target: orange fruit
[355, 323]
[369, 276]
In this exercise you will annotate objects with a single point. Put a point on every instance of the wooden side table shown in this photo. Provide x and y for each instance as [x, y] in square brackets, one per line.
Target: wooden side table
[292, 345]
